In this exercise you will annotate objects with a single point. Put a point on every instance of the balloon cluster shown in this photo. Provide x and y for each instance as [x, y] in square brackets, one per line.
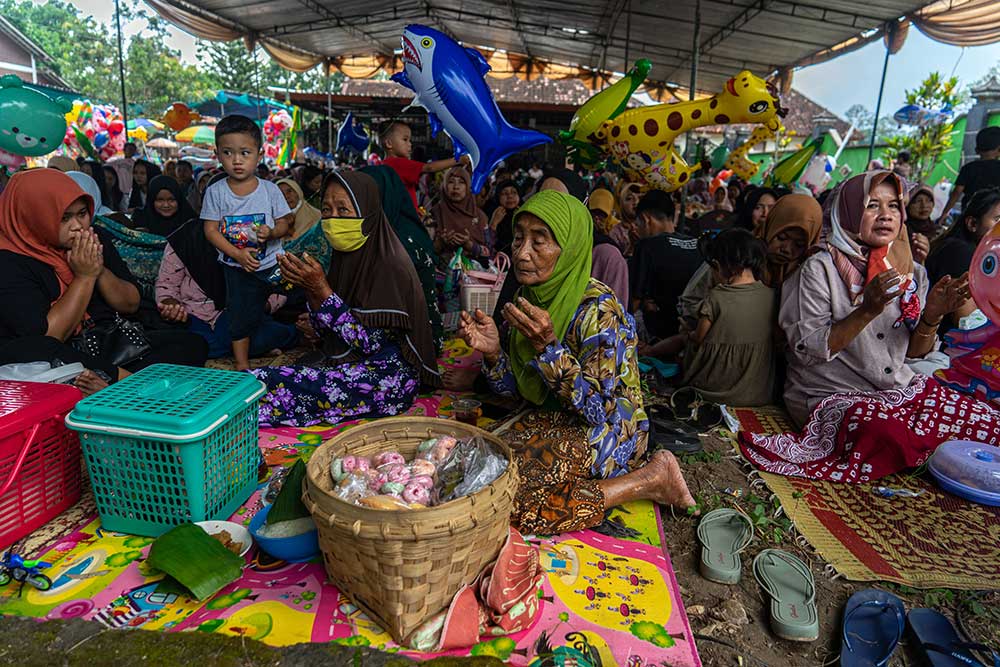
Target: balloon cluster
[97, 130]
[276, 123]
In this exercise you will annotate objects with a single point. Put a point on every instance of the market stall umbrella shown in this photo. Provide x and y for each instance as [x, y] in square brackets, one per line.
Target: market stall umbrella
[161, 142]
[197, 134]
[146, 123]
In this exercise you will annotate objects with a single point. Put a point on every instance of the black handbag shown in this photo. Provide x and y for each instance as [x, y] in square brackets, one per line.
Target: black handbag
[118, 341]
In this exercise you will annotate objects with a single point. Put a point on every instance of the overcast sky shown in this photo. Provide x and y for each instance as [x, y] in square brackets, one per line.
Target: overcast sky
[837, 84]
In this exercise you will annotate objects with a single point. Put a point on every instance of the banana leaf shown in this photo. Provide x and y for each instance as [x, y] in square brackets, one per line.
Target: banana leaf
[288, 505]
[195, 559]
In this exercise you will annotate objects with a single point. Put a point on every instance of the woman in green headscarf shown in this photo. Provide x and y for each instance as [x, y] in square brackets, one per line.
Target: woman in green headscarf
[571, 351]
[398, 207]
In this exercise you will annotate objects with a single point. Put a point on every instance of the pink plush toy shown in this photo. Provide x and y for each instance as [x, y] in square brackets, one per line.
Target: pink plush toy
[414, 493]
[388, 458]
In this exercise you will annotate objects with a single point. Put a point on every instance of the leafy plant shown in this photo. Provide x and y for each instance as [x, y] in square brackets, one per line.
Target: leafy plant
[926, 145]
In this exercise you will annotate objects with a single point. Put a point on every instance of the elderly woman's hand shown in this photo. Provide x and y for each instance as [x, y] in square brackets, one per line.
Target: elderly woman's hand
[533, 322]
[480, 333]
[947, 296]
[306, 273]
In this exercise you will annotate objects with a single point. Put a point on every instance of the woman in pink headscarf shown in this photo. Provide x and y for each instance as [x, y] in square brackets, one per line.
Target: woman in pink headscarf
[853, 314]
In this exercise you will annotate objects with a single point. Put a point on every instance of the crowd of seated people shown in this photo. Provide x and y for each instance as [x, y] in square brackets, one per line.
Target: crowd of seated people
[760, 296]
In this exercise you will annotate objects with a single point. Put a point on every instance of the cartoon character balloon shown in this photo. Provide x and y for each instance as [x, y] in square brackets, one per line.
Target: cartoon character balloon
[642, 140]
[449, 82]
[31, 123]
[603, 106]
[978, 370]
[352, 136]
[179, 115]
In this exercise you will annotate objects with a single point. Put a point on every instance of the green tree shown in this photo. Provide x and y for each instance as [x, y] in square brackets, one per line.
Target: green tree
[232, 67]
[86, 54]
[83, 50]
[926, 145]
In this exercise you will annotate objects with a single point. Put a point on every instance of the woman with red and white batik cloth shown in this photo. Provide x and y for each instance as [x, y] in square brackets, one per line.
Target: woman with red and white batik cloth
[853, 314]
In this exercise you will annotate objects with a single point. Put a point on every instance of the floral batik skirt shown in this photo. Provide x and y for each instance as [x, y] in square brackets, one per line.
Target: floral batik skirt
[557, 493]
[863, 437]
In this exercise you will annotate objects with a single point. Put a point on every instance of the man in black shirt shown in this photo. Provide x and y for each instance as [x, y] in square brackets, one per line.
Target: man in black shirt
[979, 174]
[663, 263]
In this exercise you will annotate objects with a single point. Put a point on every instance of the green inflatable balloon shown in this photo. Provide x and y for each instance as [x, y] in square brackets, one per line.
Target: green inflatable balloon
[605, 105]
[31, 123]
[788, 170]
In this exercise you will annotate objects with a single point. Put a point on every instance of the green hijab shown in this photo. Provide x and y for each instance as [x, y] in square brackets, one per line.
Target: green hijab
[562, 293]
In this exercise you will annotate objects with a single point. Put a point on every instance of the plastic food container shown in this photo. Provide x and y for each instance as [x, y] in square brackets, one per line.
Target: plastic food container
[296, 549]
[968, 469]
[39, 458]
[170, 445]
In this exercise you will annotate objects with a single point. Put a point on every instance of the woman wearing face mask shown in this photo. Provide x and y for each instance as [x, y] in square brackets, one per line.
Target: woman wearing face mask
[190, 288]
[569, 349]
[853, 314]
[365, 311]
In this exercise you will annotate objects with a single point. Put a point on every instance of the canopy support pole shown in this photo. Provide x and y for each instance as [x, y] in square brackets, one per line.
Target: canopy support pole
[329, 115]
[121, 67]
[878, 107]
[628, 32]
[695, 39]
[256, 78]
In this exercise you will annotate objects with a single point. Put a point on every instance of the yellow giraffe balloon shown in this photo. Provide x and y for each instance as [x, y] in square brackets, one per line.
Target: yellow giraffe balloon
[737, 159]
[642, 140]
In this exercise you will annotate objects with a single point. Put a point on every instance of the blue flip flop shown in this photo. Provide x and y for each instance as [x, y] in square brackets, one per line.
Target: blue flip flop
[940, 644]
[873, 625]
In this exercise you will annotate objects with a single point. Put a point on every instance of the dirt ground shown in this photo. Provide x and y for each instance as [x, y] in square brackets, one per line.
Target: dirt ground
[724, 642]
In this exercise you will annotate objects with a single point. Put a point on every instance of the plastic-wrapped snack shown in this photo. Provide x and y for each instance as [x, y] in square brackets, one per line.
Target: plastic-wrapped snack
[426, 445]
[471, 466]
[422, 480]
[392, 489]
[419, 467]
[376, 479]
[388, 458]
[383, 502]
[241, 230]
[397, 472]
[337, 469]
[352, 463]
[354, 487]
[416, 493]
[439, 452]
[275, 483]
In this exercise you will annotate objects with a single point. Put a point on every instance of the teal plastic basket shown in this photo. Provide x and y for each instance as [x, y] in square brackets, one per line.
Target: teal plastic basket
[170, 445]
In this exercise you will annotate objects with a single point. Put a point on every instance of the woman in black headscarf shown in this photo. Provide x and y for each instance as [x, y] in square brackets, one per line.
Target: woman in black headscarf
[507, 200]
[117, 200]
[369, 312]
[190, 286]
[757, 204]
[143, 173]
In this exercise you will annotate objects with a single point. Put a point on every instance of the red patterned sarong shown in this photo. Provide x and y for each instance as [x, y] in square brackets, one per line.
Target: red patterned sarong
[863, 437]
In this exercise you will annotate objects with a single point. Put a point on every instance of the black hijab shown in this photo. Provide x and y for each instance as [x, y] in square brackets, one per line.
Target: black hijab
[152, 171]
[185, 233]
[378, 280]
[505, 228]
[114, 193]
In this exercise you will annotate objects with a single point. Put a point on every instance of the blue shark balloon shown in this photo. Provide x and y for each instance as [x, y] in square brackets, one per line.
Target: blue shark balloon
[352, 135]
[913, 114]
[448, 80]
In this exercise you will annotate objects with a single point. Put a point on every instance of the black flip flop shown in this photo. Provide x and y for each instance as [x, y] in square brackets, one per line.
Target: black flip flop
[675, 437]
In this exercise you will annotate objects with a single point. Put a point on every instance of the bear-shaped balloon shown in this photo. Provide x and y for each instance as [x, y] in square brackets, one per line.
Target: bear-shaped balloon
[31, 123]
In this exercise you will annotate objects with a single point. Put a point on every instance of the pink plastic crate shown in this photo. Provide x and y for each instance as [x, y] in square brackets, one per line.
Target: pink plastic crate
[39, 457]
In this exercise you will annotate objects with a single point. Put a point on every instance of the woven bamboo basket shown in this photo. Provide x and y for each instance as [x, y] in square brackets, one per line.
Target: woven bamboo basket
[403, 566]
